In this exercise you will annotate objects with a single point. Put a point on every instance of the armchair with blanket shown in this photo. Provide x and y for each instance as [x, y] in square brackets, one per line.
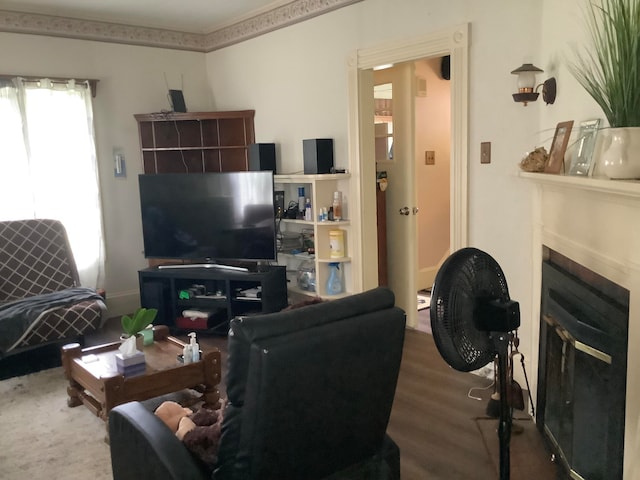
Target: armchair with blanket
[41, 300]
[309, 395]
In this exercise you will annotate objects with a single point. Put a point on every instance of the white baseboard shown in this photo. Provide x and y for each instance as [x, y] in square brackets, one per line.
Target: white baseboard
[121, 303]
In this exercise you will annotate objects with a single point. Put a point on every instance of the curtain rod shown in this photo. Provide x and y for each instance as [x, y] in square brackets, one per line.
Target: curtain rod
[93, 83]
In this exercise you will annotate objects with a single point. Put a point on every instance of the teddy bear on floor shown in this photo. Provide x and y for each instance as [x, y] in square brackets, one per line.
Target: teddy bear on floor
[199, 431]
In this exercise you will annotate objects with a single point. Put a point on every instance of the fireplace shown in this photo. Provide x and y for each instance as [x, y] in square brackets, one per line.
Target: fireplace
[582, 368]
[596, 223]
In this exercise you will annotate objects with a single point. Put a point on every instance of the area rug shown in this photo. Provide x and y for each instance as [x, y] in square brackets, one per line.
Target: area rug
[41, 437]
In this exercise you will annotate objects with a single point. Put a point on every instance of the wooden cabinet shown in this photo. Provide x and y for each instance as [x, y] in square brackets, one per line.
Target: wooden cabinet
[195, 142]
[319, 189]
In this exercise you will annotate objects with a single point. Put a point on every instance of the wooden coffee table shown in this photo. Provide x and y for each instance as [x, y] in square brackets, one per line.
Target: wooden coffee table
[95, 381]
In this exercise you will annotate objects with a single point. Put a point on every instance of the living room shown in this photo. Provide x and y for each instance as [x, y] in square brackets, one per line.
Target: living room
[296, 79]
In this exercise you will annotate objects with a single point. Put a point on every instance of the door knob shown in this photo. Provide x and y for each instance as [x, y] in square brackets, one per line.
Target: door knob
[405, 211]
[415, 210]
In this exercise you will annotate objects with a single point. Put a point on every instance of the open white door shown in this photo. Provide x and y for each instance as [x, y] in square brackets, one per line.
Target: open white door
[401, 197]
[452, 41]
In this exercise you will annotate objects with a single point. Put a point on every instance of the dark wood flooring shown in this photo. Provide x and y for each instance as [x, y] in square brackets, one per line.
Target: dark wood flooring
[442, 433]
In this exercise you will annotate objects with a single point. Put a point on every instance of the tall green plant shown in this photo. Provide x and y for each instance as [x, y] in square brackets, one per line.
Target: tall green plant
[609, 68]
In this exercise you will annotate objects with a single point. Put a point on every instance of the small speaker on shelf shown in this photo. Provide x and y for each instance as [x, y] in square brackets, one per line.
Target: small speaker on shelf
[318, 155]
[262, 156]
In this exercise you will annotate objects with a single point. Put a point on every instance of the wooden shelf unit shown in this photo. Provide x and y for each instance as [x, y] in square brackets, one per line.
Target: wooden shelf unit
[319, 189]
[195, 142]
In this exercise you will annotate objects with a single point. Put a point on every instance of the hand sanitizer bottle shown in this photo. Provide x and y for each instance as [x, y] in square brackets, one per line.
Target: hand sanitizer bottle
[194, 347]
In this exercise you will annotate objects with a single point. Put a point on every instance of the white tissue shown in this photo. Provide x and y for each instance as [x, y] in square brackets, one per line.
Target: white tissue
[128, 347]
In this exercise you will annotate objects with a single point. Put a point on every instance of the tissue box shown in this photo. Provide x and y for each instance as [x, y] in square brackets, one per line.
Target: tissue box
[135, 359]
[132, 370]
[131, 365]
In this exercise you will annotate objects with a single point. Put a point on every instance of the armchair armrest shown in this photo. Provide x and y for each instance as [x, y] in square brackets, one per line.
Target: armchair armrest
[143, 447]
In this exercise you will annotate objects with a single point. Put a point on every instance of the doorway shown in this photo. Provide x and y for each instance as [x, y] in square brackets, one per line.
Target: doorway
[403, 253]
[432, 158]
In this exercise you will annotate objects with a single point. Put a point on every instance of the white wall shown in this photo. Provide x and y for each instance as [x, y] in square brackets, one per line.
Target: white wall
[131, 80]
[433, 132]
[296, 79]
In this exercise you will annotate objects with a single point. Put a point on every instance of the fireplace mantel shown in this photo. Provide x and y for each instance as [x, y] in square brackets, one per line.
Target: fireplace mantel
[630, 188]
[596, 223]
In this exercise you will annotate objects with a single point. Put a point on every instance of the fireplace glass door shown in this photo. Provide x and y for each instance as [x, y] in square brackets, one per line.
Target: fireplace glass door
[582, 375]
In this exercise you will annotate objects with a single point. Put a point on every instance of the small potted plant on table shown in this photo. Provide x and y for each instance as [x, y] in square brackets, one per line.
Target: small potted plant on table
[132, 326]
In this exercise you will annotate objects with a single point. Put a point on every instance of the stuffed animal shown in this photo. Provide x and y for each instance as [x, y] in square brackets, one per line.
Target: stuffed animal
[171, 413]
[200, 431]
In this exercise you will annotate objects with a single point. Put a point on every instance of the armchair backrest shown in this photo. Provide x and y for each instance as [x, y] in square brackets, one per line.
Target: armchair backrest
[35, 258]
[310, 390]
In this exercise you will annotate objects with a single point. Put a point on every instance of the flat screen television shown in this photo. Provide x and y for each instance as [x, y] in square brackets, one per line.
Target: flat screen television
[208, 217]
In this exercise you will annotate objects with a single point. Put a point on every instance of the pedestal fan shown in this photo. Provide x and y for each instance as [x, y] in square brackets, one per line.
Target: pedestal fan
[471, 317]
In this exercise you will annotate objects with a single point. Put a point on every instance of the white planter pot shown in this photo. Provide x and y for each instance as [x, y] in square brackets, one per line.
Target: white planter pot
[621, 157]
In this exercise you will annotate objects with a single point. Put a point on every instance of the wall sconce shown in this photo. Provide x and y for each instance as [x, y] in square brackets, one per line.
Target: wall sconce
[527, 89]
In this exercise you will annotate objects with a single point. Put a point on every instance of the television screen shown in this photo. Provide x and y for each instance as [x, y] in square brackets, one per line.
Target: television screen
[208, 216]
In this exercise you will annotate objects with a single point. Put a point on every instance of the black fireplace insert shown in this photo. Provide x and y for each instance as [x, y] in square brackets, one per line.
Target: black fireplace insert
[582, 369]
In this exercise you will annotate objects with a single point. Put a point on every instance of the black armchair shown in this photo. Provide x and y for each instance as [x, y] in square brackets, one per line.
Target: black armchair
[309, 393]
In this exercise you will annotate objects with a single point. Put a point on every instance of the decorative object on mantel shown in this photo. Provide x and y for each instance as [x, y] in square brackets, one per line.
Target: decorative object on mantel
[609, 71]
[558, 147]
[582, 160]
[527, 89]
[535, 160]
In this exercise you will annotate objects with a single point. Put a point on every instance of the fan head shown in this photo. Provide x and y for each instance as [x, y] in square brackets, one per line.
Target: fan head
[469, 301]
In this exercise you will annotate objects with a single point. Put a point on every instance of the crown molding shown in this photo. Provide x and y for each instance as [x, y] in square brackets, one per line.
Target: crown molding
[274, 19]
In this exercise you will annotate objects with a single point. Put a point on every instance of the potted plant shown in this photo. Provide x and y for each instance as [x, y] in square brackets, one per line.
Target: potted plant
[133, 325]
[609, 70]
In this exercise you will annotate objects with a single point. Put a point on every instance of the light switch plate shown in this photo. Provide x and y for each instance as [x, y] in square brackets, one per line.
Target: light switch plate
[485, 152]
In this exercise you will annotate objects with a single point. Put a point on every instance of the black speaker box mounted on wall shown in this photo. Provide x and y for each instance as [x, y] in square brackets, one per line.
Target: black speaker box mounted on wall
[262, 156]
[318, 155]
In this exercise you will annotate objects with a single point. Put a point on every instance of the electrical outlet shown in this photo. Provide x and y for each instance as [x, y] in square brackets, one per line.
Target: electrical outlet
[429, 157]
[485, 152]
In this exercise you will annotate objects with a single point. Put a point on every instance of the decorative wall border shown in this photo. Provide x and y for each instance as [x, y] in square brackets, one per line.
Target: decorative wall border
[279, 17]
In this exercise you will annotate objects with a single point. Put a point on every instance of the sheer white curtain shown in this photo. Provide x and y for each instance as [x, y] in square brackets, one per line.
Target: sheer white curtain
[48, 165]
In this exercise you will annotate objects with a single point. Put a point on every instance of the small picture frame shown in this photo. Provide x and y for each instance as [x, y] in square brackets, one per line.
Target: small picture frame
[582, 162]
[558, 147]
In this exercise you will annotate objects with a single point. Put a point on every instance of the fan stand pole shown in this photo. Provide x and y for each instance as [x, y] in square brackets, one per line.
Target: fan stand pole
[501, 340]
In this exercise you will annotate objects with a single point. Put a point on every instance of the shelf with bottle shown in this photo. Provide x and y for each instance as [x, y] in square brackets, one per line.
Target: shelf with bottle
[321, 192]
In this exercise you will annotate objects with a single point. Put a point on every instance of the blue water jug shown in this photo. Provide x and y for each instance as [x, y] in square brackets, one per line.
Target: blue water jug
[334, 283]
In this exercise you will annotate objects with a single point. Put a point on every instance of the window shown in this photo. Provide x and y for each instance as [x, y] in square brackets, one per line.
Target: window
[48, 166]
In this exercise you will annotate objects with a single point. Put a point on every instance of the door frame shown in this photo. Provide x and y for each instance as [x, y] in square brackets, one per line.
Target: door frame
[452, 41]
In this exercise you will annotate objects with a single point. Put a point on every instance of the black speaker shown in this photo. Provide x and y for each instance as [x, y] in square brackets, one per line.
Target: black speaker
[445, 67]
[262, 156]
[318, 155]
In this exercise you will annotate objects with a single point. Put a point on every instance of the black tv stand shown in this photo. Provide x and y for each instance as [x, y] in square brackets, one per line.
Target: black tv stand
[223, 292]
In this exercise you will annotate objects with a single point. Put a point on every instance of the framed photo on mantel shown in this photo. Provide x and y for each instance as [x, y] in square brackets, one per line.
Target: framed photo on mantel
[558, 147]
[582, 161]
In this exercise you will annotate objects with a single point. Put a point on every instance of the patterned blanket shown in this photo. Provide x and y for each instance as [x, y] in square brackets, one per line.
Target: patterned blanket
[18, 317]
